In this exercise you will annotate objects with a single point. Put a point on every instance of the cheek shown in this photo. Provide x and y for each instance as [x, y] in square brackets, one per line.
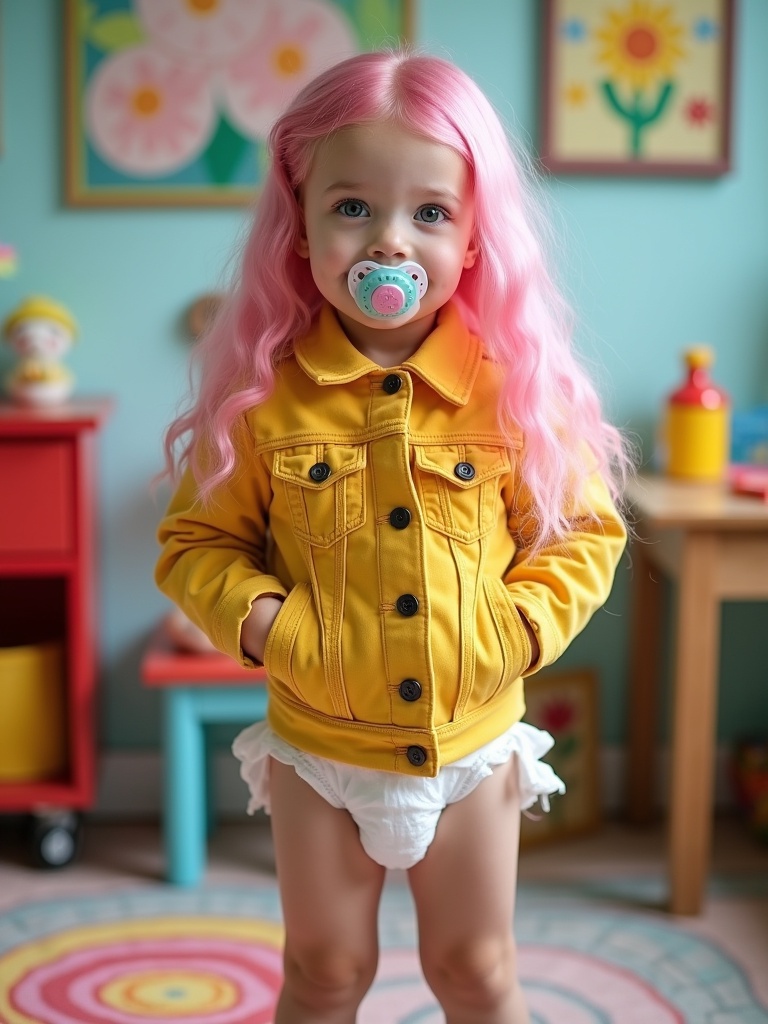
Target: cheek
[448, 262]
[329, 256]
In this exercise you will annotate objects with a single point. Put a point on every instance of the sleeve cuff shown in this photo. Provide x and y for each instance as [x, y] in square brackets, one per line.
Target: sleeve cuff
[539, 621]
[233, 609]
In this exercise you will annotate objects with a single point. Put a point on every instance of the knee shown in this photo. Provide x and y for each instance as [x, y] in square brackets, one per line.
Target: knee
[323, 978]
[478, 974]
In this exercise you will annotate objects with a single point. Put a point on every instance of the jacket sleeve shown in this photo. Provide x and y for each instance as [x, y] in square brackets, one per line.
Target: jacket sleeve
[559, 588]
[213, 561]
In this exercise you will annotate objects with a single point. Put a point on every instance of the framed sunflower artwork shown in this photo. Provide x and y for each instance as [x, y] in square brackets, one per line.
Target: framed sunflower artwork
[637, 86]
[169, 102]
[565, 704]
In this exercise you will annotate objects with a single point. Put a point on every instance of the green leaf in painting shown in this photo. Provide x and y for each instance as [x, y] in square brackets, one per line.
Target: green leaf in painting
[116, 31]
[223, 153]
[262, 160]
[86, 14]
[377, 24]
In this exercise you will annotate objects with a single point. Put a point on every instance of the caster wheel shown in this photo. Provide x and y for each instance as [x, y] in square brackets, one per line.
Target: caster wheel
[55, 839]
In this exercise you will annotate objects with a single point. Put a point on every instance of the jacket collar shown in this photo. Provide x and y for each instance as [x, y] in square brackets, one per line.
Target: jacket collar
[448, 359]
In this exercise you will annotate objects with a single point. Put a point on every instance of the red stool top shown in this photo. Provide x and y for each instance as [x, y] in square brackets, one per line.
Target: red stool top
[164, 664]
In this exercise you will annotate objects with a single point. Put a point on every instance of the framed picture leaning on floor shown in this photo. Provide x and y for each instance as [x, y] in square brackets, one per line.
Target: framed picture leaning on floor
[565, 704]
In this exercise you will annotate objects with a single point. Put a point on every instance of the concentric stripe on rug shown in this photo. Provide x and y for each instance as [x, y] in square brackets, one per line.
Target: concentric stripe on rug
[212, 956]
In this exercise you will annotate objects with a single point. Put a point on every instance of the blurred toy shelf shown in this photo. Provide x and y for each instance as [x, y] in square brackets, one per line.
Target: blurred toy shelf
[48, 630]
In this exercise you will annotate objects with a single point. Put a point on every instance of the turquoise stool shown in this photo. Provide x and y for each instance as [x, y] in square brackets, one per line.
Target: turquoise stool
[198, 690]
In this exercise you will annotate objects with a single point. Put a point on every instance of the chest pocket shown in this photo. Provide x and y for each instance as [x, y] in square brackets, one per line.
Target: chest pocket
[324, 489]
[459, 487]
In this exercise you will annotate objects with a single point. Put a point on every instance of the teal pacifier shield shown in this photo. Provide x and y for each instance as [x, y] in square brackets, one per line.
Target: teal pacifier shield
[387, 292]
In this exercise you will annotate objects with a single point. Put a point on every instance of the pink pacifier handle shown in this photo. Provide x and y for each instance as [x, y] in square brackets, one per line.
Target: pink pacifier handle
[387, 299]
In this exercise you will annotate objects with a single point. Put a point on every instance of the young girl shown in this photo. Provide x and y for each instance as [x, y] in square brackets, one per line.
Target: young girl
[397, 496]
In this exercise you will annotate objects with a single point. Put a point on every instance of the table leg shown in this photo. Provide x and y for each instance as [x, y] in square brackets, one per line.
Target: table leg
[693, 723]
[184, 816]
[644, 672]
[209, 753]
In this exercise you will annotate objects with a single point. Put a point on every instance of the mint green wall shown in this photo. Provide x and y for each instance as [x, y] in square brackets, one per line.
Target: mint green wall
[651, 265]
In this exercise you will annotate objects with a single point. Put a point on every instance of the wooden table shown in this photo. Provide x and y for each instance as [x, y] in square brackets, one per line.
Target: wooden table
[714, 545]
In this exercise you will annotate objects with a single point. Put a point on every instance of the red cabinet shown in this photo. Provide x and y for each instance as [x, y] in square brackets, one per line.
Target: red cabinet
[47, 576]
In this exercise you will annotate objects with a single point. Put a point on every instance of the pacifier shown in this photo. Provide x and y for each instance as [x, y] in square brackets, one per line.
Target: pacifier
[386, 292]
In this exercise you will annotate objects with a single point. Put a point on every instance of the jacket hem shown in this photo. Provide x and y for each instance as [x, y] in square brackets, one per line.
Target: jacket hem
[385, 747]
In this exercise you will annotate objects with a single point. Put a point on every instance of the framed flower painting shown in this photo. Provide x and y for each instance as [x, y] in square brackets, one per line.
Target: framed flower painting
[565, 705]
[637, 86]
[169, 102]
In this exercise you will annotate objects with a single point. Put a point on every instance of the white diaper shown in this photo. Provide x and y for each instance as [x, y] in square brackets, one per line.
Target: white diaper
[397, 814]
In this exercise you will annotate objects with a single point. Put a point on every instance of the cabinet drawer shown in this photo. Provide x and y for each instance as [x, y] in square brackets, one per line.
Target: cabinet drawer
[36, 497]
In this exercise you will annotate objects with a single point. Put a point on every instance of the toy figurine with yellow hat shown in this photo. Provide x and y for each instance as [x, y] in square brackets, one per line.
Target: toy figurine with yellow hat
[40, 332]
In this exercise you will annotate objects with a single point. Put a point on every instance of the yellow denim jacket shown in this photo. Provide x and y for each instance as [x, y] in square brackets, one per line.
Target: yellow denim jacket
[391, 498]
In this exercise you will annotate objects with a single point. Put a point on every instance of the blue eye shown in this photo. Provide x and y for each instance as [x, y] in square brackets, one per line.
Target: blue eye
[351, 208]
[430, 214]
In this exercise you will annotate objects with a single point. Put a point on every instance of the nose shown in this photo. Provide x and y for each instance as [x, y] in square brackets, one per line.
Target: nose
[388, 242]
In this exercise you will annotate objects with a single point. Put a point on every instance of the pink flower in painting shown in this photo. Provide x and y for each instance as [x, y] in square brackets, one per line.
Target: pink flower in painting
[699, 112]
[147, 115]
[297, 41]
[206, 31]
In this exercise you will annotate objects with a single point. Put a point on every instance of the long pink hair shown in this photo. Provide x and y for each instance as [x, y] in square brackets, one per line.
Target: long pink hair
[508, 298]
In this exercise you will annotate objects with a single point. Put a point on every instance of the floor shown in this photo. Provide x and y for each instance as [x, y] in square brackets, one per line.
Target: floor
[620, 867]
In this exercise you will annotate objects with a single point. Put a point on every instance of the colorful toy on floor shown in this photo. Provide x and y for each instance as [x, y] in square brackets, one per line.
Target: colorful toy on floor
[749, 777]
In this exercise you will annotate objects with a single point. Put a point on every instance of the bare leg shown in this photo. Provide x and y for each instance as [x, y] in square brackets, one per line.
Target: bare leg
[464, 891]
[330, 891]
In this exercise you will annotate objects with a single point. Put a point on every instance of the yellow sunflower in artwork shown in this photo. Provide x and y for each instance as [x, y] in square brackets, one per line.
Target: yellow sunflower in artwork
[641, 43]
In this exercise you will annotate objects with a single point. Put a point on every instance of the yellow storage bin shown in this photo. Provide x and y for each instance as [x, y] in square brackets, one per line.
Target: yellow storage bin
[32, 713]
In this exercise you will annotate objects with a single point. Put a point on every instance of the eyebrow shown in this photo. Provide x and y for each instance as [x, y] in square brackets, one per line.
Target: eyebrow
[343, 186]
[433, 192]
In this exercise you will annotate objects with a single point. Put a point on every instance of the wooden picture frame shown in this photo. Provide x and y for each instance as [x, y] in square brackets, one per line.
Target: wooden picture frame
[565, 704]
[637, 87]
[168, 103]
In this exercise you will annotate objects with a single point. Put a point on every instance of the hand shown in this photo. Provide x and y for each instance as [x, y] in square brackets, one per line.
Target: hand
[535, 649]
[257, 624]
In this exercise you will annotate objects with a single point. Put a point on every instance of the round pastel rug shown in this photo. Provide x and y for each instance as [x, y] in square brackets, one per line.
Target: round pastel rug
[212, 956]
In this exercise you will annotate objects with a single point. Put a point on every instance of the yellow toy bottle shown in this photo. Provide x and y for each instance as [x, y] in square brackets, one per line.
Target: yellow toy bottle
[698, 422]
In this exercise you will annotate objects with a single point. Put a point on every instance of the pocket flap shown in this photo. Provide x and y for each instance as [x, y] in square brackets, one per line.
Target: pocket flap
[487, 461]
[294, 464]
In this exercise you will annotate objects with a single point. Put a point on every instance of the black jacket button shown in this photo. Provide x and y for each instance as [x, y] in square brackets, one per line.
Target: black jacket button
[320, 471]
[399, 517]
[464, 471]
[410, 689]
[417, 756]
[407, 604]
[392, 383]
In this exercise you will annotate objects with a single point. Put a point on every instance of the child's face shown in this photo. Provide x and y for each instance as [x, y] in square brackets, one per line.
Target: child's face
[382, 193]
